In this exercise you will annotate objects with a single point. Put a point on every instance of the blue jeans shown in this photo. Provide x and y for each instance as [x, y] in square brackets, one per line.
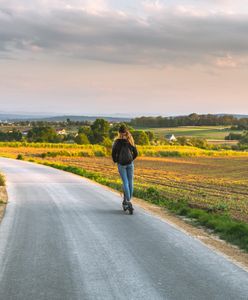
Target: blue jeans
[126, 173]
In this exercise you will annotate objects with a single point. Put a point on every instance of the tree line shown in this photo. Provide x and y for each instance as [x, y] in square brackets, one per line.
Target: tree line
[98, 132]
[191, 120]
[102, 132]
[13, 135]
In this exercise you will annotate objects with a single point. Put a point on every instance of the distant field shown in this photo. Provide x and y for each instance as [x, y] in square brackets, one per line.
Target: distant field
[208, 180]
[7, 128]
[206, 132]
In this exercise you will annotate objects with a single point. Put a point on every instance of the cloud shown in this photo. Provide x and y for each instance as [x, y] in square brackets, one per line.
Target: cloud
[226, 62]
[90, 30]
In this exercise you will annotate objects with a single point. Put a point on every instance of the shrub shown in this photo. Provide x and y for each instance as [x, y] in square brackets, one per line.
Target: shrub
[107, 142]
[82, 139]
[85, 154]
[100, 153]
[140, 137]
[170, 153]
[233, 136]
[2, 180]
[20, 157]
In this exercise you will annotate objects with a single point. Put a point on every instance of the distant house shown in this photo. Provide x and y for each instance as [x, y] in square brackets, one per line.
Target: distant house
[170, 138]
[25, 132]
[60, 131]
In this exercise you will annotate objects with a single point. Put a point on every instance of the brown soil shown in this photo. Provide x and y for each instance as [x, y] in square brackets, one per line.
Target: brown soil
[204, 182]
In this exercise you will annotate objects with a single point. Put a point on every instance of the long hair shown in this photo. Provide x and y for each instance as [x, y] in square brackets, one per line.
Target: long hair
[126, 135]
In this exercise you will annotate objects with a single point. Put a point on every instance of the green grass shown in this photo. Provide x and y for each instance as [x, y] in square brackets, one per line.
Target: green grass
[206, 132]
[233, 231]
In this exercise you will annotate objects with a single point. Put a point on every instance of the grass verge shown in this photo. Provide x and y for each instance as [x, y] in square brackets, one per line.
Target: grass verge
[228, 229]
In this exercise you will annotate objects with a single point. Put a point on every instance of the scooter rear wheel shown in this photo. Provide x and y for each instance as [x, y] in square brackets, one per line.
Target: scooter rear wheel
[130, 208]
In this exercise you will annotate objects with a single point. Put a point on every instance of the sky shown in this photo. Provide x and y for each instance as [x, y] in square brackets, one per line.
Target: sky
[129, 57]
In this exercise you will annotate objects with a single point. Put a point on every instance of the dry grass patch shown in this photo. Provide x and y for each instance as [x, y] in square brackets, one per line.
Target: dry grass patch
[3, 196]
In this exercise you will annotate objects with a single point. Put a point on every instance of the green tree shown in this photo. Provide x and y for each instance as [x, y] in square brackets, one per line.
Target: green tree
[82, 139]
[198, 142]
[182, 140]
[88, 131]
[43, 134]
[244, 139]
[14, 135]
[100, 129]
[107, 142]
[140, 137]
[234, 136]
[150, 135]
[85, 129]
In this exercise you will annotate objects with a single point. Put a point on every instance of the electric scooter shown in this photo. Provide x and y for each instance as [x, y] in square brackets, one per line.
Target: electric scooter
[127, 205]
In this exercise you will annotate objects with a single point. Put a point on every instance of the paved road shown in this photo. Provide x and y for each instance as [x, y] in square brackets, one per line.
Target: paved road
[64, 237]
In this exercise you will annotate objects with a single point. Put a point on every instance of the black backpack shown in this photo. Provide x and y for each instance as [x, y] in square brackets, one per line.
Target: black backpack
[125, 155]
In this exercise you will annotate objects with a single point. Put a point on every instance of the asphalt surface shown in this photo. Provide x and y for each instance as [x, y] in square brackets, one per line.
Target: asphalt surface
[64, 237]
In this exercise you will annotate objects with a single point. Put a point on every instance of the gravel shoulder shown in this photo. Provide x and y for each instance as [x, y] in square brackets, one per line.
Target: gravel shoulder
[3, 201]
[231, 252]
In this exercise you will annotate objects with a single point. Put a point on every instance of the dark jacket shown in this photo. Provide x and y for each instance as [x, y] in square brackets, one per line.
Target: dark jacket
[117, 148]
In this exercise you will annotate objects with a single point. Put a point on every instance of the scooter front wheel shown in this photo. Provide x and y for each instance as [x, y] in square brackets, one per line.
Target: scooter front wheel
[124, 206]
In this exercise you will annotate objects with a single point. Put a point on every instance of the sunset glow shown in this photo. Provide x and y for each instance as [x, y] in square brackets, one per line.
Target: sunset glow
[130, 57]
